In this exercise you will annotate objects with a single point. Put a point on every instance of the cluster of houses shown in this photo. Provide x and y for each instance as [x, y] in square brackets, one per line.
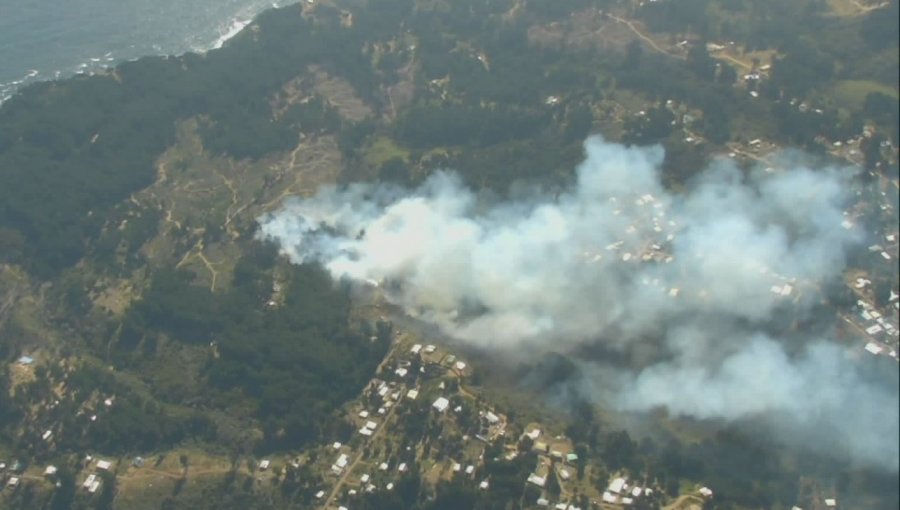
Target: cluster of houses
[93, 481]
[90, 484]
[645, 239]
[555, 458]
[366, 481]
[14, 471]
[620, 492]
[397, 383]
[882, 331]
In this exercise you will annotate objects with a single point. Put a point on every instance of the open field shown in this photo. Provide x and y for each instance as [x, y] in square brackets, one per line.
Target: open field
[853, 7]
[384, 149]
[851, 94]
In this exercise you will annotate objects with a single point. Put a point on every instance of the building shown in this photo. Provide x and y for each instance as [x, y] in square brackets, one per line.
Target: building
[264, 465]
[441, 404]
[88, 481]
[104, 465]
[339, 465]
[540, 481]
[874, 348]
[617, 485]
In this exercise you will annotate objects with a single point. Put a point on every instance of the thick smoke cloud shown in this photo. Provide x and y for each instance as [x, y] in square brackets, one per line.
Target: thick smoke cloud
[688, 284]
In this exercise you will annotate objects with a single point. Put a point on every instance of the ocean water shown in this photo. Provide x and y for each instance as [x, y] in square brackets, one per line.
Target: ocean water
[49, 39]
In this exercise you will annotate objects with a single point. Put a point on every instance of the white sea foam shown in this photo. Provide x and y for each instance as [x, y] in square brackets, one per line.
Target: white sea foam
[232, 30]
[170, 28]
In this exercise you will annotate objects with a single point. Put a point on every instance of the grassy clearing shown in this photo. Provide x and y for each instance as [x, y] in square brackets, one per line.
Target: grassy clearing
[115, 295]
[852, 7]
[843, 8]
[205, 200]
[851, 94]
[160, 475]
[384, 149]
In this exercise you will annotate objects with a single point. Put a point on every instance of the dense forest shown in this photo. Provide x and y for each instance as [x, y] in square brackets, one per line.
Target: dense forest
[295, 363]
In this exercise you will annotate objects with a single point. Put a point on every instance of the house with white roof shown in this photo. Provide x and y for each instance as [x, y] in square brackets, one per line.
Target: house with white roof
[617, 485]
[441, 404]
[540, 481]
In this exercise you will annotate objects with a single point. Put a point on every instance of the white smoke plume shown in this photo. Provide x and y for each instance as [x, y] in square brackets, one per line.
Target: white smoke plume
[688, 284]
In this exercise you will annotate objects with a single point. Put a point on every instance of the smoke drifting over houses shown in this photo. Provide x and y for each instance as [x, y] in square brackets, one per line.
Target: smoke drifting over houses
[693, 287]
